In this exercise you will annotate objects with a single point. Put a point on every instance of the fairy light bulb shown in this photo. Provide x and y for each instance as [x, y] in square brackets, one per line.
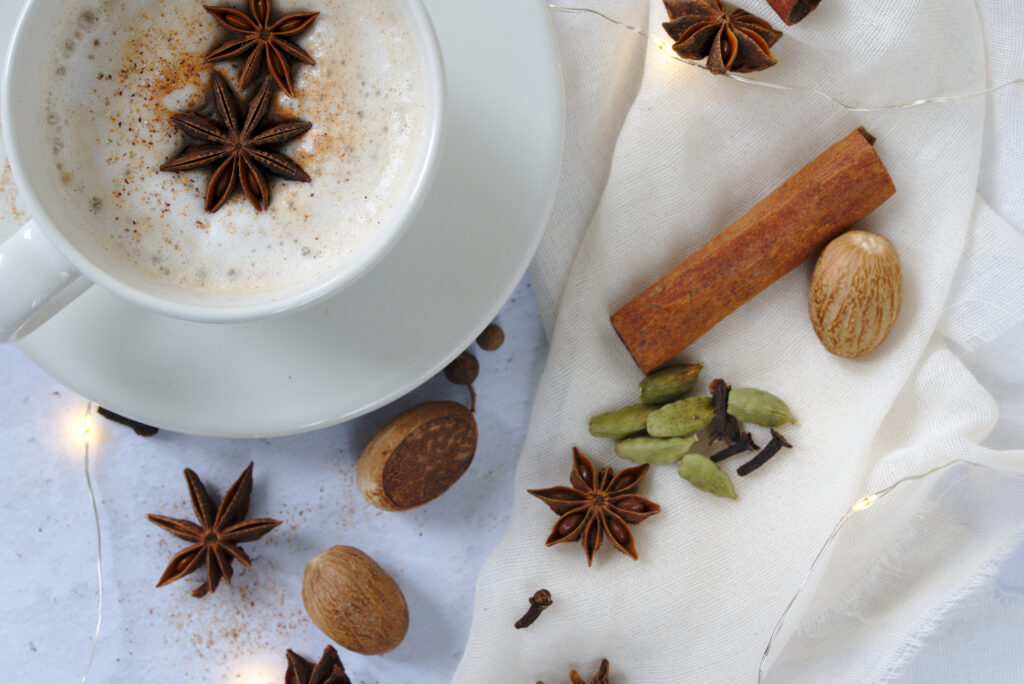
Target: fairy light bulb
[663, 45]
[864, 503]
[254, 669]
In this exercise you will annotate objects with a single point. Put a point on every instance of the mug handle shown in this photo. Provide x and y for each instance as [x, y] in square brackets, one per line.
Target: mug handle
[36, 282]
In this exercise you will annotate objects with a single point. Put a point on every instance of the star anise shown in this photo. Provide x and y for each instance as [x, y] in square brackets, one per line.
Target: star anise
[601, 677]
[596, 505]
[265, 42]
[215, 539]
[328, 671]
[238, 147]
[737, 41]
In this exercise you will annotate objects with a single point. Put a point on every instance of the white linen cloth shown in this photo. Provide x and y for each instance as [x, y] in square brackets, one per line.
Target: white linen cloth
[661, 156]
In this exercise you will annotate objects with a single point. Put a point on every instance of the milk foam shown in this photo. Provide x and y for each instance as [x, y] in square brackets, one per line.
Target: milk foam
[121, 68]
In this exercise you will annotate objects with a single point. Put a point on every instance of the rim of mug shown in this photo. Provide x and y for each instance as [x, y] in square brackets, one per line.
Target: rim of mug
[407, 207]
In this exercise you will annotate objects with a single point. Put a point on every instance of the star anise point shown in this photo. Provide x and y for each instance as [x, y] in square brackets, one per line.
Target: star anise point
[600, 677]
[328, 671]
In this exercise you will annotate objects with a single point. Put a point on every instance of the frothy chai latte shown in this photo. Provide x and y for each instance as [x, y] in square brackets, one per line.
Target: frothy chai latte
[121, 68]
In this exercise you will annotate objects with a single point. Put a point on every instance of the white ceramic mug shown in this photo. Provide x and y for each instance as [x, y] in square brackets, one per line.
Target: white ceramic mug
[47, 264]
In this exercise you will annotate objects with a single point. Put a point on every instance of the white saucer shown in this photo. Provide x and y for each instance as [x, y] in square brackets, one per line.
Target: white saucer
[399, 325]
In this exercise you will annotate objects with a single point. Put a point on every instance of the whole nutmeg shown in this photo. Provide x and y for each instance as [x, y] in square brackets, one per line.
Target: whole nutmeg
[856, 292]
[417, 456]
[354, 602]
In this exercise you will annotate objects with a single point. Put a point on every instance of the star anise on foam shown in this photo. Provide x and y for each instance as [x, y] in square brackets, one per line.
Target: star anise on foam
[265, 42]
[601, 677]
[737, 41]
[597, 505]
[216, 538]
[328, 671]
[240, 147]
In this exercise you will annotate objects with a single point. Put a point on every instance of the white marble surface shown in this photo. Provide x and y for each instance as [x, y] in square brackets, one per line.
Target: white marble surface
[240, 633]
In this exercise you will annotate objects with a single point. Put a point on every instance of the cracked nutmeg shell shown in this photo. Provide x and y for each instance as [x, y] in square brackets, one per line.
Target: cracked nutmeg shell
[416, 457]
[856, 292]
[354, 602]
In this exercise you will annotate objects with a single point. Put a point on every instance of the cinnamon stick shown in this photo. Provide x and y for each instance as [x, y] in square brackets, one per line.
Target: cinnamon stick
[792, 11]
[838, 189]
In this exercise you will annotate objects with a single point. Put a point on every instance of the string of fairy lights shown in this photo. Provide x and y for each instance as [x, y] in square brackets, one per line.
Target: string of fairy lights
[87, 438]
[860, 506]
[666, 47]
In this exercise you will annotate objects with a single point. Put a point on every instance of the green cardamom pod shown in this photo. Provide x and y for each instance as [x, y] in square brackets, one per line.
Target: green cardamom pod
[759, 407]
[622, 423]
[702, 473]
[669, 384]
[654, 449]
[681, 418]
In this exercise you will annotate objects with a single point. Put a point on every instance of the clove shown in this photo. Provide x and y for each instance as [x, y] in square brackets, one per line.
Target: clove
[745, 443]
[538, 602]
[765, 455]
[141, 429]
[725, 426]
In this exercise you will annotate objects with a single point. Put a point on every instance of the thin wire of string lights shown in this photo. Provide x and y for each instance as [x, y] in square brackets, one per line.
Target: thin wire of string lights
[861, 505]
[86, 436]
[666, 47]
